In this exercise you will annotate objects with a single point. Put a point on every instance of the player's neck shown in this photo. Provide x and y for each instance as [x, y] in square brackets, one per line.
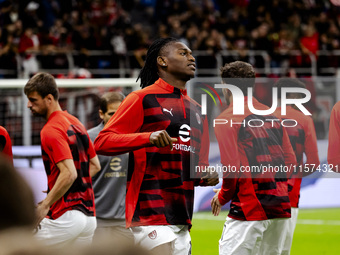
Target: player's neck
[180, 84]
[53, 108]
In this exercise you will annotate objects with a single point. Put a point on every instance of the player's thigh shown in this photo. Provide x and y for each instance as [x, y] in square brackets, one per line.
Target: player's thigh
[182, 243]
[274, 237]
[86, 234]
[290, 231]
[241, 237]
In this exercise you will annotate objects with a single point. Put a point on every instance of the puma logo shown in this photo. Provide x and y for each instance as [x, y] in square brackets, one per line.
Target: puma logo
[166, 110]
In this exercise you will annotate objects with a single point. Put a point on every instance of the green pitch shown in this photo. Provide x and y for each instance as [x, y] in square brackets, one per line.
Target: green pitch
[317, 232]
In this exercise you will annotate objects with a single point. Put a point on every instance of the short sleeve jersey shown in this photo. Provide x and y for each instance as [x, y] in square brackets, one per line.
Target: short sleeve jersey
[64, 137]
[5, 144]
[256, 141]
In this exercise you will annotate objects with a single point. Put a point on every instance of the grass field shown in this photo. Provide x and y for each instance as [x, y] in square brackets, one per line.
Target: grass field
[317, 232]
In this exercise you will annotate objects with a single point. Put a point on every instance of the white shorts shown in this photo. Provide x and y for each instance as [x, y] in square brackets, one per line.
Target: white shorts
[290, 231]
[71, 227]
[253, 237]
[152, 236]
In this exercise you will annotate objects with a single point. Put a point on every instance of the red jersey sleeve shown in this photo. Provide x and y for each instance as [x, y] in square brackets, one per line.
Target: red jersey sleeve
[288, 152]
[227, 142]
[6, 144]
[204, 151]
[55, 145]
[227, 190]
[121, 133]
[91, 150]
[311, 147]
[205, 143]
[334, 137]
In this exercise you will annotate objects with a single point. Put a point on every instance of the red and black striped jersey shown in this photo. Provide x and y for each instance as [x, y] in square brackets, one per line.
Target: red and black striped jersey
[6, 144]
[333, 156]
[249, 143]
[160, 187]
[64, 137]
[302, 137]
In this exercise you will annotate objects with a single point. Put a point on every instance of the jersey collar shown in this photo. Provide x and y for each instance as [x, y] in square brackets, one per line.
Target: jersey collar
[161, 83]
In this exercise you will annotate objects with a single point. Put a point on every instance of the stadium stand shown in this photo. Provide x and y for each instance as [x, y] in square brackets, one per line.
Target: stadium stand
[109, 38]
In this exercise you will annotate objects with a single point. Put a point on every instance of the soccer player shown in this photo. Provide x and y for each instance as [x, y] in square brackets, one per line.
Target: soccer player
[260, 205]
[109, 185]
[333, 156]
[67, 214]
[165, 133]
[302, 137]
[5, 144]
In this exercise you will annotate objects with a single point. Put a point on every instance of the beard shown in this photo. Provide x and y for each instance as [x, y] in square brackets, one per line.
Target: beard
[39, 114]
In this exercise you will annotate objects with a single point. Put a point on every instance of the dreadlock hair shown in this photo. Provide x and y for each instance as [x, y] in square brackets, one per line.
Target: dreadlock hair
[149, 73]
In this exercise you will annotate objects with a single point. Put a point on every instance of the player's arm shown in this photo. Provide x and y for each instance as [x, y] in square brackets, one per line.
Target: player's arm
[2, 142]
[161, 138]
[333, 156]
[6, 144]
[94, 166]
[66, 177]
[94, 160]
[223, 195]
[209, 179]
[288, 152]
[311, 148]
[227, 142]
[122, 132]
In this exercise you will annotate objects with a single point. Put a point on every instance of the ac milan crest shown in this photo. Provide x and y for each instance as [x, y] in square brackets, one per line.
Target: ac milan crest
[152, 235]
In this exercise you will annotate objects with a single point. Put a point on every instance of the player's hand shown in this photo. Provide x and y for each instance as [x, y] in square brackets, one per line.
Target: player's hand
[210, 178]
[215, 203]
[41, 212]
[161, 139]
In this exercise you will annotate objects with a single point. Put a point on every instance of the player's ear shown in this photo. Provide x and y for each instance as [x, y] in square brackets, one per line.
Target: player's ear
[162, 61]
[49, 97]
[101, 114]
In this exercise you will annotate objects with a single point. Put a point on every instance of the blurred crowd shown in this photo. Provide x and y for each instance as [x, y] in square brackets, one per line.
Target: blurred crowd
[40, 32]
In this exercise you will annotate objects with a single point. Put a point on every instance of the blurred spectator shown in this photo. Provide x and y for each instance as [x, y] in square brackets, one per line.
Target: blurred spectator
[309, 41]
[28, 47]
[110, 245]
[31, 15]
[8, 53]
[262, 42]
[309, 44]
[189, 37]
[129, 26]
[5, 13]
[17, 202]
[283, 45]
[17, 241]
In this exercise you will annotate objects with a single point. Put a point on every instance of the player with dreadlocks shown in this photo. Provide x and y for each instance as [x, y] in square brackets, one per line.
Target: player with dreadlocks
[151, 124]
